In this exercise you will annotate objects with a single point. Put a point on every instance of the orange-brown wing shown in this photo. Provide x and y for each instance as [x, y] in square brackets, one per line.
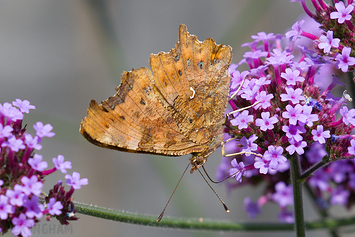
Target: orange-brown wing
[135, 120]
[193, 80]
[177, 110]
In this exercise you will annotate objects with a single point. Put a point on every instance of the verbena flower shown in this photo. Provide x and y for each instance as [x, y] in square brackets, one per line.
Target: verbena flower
[337, 40]
[342, 13]
[288, 116]
[23, 172]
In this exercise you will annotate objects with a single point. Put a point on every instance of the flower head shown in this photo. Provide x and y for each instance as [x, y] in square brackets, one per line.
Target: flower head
[36, 162]
[319, 135]
[326, 42]
[22, 225]
[292, 76]
[75, 181]
[274, 155]
[266, 122]
[61, 165]
[43, 130]
[14, 144]
[344, 60]
[342, 13]
[237, 170]
[24, 106]
[242, 120]
[296, 31]
[283, 195]
[251, 207]
[34, 208]
[281, 114]
[23, 173]
[5, 207]
[54, 207]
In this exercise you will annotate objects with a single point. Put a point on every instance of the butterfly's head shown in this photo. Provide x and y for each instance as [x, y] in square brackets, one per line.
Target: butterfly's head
[197, 161]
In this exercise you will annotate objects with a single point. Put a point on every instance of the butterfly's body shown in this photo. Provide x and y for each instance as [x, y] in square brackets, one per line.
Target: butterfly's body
[175, 109]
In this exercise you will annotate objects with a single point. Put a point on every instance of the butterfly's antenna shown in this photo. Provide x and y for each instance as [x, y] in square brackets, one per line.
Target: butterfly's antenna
[162, 213]
[217, 182]
[220, 199]
[228, 155]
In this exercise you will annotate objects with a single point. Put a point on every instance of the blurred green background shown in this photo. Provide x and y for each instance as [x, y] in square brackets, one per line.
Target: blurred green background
[61, 54]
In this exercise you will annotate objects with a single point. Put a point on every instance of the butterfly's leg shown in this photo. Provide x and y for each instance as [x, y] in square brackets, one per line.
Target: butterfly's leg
[242, 153]
[241, 109]
[237, 153]
[223, 147]
[239, 88]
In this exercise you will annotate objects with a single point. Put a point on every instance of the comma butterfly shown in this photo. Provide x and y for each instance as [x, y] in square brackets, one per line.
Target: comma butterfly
[177, 108]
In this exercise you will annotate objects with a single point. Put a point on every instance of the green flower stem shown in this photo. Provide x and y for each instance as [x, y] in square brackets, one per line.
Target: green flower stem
[305, 175]
[295, 169]
[201, 224]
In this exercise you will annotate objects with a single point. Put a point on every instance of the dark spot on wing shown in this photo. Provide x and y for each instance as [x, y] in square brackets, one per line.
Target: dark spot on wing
[142, 101]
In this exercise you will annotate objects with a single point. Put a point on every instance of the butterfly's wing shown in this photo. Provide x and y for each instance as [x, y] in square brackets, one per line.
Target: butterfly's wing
[134, 120]
[172, 111]
[193, 80]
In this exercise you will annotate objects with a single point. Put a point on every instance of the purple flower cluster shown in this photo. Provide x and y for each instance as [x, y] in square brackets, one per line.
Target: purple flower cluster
[338, 37]
[22, 174]
[278, 113]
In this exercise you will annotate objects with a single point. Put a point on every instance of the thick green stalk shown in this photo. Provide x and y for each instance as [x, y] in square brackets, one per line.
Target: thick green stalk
[202, 224]
[296, 181]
